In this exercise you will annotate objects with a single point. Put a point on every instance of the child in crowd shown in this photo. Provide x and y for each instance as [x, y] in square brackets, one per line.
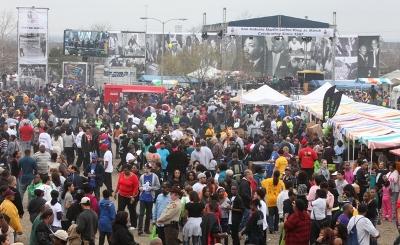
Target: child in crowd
[386, 201]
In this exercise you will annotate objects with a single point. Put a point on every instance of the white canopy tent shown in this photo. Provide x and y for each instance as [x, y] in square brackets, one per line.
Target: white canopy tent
[240, 95]
[265, 95]
[319, 94]
[206, 72]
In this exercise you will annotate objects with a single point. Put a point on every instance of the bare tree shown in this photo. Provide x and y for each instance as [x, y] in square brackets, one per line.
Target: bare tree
[8, 50]
[100, 27]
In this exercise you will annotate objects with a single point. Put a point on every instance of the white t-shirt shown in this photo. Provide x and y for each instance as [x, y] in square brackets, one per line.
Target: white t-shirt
[198, 187]
[56, 208]
[365, 229]
[108, 158]
[264, 210]
[318, 211]
[129, 157]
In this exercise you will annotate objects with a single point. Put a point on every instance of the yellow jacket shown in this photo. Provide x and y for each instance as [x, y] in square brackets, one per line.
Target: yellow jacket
[8, 208]
[272, 191]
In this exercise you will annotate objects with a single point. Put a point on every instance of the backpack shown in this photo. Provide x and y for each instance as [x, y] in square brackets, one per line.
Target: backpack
[352, 239]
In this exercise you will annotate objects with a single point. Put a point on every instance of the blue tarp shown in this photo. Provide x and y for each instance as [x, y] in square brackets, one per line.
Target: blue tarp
[180, 79]
[341, 84]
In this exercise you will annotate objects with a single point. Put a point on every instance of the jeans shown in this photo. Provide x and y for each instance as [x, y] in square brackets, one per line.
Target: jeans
[195, 240]
[108, 181]
[126, 202]
[25, 145]
[80, 157]
[160, 233]
[395, 196]
[23, 186]
[235, 234]
[103, 236]
[69, 154]
[245, 218]
[273, 219]
[148, 206]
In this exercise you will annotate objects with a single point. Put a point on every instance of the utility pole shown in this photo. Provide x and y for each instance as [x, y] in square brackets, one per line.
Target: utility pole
[334, 47]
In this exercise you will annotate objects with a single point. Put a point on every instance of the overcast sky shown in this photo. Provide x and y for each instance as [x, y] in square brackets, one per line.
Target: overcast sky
[360, 17]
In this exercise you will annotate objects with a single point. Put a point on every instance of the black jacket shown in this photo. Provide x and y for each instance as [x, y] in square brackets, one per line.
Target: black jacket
[121, 235]
[245, 192]
[43, 234]
[34, 207]
[177, 160]
[236, 215]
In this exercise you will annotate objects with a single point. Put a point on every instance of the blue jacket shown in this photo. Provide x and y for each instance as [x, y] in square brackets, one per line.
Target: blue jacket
[106, 215]
[161, 203]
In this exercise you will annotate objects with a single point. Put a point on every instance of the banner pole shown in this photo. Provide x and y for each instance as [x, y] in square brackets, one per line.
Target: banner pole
[18, 68]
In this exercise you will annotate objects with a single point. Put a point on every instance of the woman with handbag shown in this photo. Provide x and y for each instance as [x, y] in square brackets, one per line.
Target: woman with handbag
[318, 215]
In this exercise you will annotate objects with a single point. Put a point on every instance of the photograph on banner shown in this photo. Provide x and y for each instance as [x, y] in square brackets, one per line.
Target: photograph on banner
[32, 48]
[74, 73]
[255, 52]
[115, 43]
[230, 53]
[32, 75]
[346, 66]
[86, 43]
[133, 44]
[32, 36]
[368, 56]
[117, 61]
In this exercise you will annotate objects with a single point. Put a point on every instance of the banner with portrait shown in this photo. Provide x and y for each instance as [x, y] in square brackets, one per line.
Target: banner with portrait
[118, 61]
[283, 56]
[86, 43]
[368, 56]
[346, 65]
[32, 35]
[75, 73]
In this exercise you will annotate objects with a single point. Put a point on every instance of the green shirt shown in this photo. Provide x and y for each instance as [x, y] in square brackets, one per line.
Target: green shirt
[36, 222]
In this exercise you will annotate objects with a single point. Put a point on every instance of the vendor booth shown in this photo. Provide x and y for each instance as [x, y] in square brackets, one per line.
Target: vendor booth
[113, 93]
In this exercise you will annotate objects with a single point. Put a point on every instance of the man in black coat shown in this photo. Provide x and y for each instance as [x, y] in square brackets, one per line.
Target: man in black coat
[245, 193]
[237, 214]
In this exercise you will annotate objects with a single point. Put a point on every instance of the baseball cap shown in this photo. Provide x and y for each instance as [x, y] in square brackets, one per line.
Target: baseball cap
[102, 129]
[201, 175]
[85, 201]
[334, 173]
[94, 156]
[61, 234]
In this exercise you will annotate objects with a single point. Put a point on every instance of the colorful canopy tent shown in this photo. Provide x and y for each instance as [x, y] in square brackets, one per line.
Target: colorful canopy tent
[374, 81]
[395, 152]
[265, 95]
[113, 92]
[341, 84]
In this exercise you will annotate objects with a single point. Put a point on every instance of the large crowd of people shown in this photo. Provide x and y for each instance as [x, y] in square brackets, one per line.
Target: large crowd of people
[188, 168]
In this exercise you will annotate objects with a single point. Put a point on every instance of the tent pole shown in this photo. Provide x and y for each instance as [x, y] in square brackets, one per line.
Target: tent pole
[348, 149]
[354, 142]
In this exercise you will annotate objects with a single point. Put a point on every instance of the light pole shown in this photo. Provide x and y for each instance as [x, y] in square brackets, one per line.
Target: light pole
[163, 22]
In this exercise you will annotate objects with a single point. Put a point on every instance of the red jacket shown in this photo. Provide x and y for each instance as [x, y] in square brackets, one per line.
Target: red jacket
[26, 133]
[307, 157]
[128, 187]
[298, 228]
